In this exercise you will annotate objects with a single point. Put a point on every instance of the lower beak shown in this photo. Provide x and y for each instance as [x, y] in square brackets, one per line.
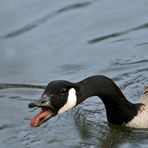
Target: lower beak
[47, 111]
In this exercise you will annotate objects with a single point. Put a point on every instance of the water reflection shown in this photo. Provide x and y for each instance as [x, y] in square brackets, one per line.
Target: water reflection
[108, 135]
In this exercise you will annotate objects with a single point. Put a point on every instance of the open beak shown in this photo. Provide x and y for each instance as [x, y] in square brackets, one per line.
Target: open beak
[47, 111]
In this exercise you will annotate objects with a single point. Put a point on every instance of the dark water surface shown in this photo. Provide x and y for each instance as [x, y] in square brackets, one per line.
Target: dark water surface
[44, 40]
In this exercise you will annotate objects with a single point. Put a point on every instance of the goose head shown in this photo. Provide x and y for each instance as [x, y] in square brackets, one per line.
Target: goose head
[58, 97]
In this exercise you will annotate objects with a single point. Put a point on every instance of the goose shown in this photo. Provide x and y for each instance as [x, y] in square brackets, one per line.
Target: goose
[61, 95]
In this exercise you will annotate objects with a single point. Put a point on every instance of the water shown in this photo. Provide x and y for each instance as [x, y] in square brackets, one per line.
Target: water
[47, 40]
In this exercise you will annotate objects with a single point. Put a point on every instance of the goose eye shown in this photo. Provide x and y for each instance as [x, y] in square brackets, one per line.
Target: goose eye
[63, 91]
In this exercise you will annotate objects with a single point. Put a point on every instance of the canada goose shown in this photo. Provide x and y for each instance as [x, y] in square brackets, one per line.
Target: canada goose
[61, 95]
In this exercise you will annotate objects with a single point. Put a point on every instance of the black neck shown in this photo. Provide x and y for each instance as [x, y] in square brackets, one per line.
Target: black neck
[118, 109]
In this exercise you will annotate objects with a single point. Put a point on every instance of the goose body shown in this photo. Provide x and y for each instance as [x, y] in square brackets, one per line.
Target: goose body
[141, 119]
[60, 96]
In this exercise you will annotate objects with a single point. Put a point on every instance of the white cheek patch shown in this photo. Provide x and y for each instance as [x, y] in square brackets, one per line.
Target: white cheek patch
[71, 101]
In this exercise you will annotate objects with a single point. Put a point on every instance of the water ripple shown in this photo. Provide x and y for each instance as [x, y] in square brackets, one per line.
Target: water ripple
[117, 34]
[74, 6]
[142, 44]
[28, 27]
[14, 85]
[43, 19]
[131, 63]
[20, 31]
[5, 126]
[70, 68]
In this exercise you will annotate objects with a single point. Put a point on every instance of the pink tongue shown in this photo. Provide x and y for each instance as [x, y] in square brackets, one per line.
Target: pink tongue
[37, 119]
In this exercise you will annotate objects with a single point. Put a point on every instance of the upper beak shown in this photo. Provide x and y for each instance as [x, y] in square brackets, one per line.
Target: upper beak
[41, 102]
[33, 104]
